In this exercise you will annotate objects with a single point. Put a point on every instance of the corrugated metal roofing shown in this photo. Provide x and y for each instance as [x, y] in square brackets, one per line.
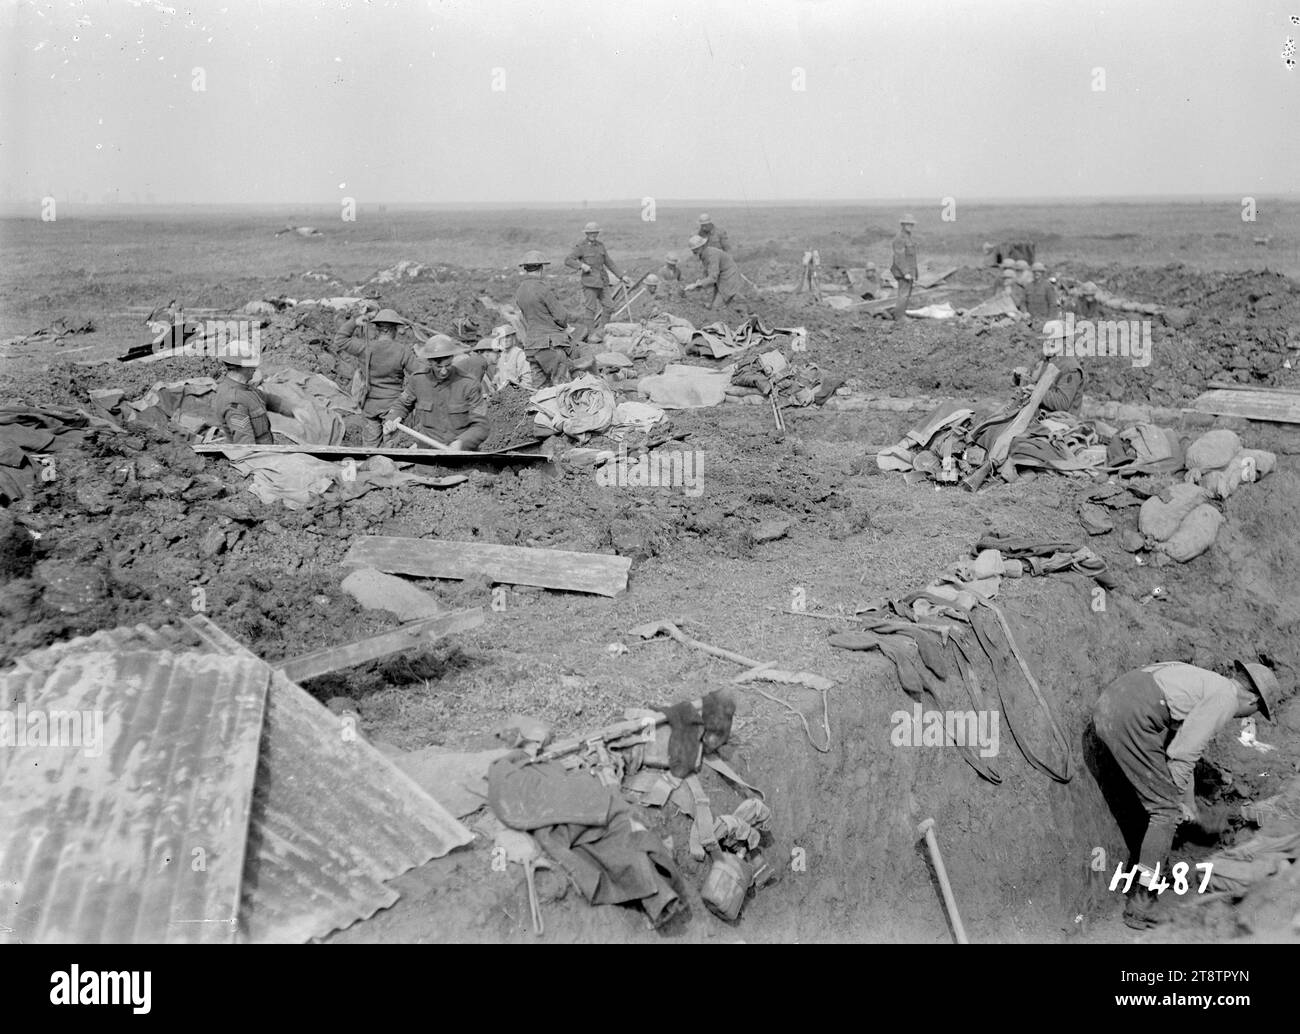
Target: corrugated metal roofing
[332, 818]
[125, 797]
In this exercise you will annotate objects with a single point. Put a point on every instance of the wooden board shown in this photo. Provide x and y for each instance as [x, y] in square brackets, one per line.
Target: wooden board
[510, 565]
[408, 636]
[361, 451]
[1282, 407]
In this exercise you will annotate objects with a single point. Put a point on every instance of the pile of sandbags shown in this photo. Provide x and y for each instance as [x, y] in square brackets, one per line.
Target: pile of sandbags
[1217, 462]
[1181, 521]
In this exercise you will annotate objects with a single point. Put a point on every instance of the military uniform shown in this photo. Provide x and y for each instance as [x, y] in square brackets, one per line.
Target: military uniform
[721, 273]
[717, 239]
[545, 326]
[446, 410]
[241, 412]
[384, 365]
[1040, 299]
[904, 264]
[597, 298]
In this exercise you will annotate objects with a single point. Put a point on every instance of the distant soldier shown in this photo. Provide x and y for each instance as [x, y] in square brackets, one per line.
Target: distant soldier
[546, 323]
[1012, 288]
[239, 405]
[1086, 305]
[719, 273]
[1040, 294]
[479, 364]
[590, 257]
[904, 263]
[654, 295]
[383, 364]
[717, 238]
[447, 405]
[670, 277]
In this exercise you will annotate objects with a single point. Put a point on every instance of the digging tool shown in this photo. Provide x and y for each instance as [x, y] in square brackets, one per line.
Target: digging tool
[627, 303]
[433, 443]
[776, 411]
[927, 827]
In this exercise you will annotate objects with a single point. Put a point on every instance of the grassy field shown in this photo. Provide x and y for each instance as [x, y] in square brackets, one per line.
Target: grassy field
[93, 262]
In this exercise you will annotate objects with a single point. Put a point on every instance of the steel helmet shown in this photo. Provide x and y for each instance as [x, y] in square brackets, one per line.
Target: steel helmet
[1022, 265]
[387, 316]
[1039, 267]
[1089, 288]
[1008, 263]
[534, 258]
[651, 281]
[591, 228]
[908, 217]
[671, 258]
[241, 352]
[696, 242]
[1008, 273]
[440, 346]
[705, 219]
[1263, 682]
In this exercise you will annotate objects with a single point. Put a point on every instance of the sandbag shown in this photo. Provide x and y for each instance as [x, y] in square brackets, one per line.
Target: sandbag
[1248, 465]
[1213, 450]
[1195, 534]
[1162, 514]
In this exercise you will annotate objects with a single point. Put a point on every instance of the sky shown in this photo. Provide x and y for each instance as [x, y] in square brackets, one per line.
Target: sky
[563, 101]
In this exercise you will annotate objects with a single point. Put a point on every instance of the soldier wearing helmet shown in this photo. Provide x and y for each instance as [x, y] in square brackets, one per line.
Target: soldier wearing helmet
[444, 404]
[716, 237]
[719, 273]
[1040, 294]
[904, 263]
[1086, 305]
[590, 257]
[383, 363]
[670, 278]
[546, 324]
[239, 405]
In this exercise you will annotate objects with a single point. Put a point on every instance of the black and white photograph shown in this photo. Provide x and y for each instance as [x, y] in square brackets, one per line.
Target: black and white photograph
[534, 472]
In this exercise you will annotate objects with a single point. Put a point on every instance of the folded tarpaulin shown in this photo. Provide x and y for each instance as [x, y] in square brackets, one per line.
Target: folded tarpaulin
[947, 414]
[1000, 305]
[186, 403]
[634, 416]
[584, 405]
[685, 387]
[530, 796]
[296, 479]
[26, 431]
[320, 407]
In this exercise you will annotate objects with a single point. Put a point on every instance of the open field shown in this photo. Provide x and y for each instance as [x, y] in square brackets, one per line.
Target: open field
[1018, 853]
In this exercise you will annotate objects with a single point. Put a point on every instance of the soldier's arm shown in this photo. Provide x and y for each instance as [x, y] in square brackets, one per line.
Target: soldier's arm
[476, 433]
[712, 267]
[555, 307]
[277, 403]
[573, 260]
[239, 426]
[343, 338]
[401, 408]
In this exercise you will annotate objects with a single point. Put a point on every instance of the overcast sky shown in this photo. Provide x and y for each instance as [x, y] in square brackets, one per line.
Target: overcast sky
[571, 100]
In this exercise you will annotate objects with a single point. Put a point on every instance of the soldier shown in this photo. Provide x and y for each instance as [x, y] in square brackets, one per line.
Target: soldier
[1024, 277]
[1012, 289]
[479, 364]
[590, 257]
[240, 406]
[1040, 295]
[546, 323]
[670, 277]
[717, 238]
[720, 273]
[654, 295]
[448, 406]
[904, 264]
[383, 364]
[1086, 305]
[1156, 722]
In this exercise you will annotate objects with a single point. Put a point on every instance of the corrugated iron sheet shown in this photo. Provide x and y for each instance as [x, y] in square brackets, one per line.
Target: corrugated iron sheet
[133, 828]
[332, 818]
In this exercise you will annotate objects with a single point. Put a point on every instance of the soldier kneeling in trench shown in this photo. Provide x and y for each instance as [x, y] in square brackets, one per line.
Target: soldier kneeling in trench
[449, 407]
[1156, 722]
[240, 406]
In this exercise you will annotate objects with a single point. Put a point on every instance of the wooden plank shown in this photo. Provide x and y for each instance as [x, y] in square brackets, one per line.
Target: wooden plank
[357, 450]
[596, 573]
[406, 637]
[1282, 407]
